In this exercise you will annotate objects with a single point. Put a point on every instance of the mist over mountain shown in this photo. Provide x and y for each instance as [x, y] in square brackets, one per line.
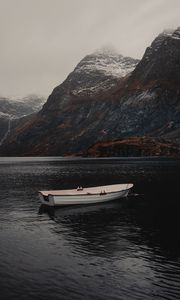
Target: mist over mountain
[109, 97]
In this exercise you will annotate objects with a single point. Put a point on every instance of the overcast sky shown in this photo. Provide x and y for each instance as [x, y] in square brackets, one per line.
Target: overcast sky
[41, 41]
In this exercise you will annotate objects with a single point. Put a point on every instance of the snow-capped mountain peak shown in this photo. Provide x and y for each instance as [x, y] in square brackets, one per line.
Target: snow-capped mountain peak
[108, 62]
[100, 71]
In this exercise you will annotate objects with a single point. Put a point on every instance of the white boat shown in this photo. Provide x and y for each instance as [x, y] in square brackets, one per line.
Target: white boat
[90, 195]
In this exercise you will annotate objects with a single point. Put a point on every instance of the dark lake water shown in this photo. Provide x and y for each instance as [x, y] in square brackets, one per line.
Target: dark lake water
[120, 250]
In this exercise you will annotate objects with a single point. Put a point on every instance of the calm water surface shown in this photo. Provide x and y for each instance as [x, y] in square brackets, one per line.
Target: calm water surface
[121, 250]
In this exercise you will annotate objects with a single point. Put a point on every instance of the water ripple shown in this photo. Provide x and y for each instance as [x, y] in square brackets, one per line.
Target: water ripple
[125, 250]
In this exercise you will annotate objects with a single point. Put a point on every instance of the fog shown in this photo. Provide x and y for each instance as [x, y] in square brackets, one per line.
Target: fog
[43, 40]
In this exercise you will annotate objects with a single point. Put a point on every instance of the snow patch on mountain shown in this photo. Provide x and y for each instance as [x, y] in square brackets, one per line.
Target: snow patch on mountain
[4, 115]
[100, 71]
[18, 107]
[110, 64]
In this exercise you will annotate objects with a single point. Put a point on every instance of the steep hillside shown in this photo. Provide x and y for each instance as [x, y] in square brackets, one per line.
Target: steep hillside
[151, 101]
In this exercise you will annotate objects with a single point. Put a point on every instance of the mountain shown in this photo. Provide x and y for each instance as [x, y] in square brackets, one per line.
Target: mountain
[17, 108]
[96, 74]
[109, 97]
[150, 103]
[74, 108]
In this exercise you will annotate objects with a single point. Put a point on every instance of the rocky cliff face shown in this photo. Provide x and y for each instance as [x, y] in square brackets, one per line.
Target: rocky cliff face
[150, 103]
[107, 97]
[160, 62]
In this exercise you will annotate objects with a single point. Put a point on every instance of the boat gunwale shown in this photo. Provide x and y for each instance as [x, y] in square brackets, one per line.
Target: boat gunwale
[87, 194]
[90, 194]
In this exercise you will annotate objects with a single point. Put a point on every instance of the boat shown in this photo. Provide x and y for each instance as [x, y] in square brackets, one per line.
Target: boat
[89, 195]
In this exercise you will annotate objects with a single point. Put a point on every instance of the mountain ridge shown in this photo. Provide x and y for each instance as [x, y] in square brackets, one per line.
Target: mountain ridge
[142, 102]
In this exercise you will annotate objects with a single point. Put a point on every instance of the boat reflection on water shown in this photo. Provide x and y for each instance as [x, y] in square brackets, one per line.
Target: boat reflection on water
[91, 229]
[118, 226]
[55, 212]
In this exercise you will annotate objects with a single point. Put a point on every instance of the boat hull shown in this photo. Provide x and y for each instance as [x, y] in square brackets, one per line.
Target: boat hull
[59, 200]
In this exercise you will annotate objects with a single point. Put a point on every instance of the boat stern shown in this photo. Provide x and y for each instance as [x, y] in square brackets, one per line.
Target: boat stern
[46, 199]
